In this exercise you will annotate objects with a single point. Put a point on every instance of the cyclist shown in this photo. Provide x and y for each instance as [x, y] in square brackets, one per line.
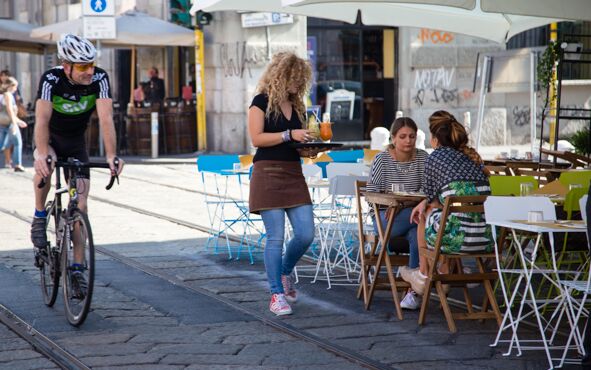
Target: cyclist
[67, 95]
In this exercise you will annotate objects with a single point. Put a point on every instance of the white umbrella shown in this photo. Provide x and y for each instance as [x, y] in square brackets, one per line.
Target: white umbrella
[133, 29]
[566, 9]
[459, 16]
[14, 36]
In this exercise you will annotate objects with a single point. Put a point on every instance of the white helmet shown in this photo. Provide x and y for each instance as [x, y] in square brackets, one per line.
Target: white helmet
[75, 49]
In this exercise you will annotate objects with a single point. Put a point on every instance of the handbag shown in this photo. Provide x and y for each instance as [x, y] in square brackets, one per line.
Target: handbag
[21, 111]
[5, 119]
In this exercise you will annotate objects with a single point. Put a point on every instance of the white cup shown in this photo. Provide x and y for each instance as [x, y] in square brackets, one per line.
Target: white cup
[535, 216]
[504, 155]
[397, 188]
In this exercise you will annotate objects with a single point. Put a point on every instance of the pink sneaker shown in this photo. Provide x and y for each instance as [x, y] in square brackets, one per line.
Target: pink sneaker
[279, 305]
[291, 295]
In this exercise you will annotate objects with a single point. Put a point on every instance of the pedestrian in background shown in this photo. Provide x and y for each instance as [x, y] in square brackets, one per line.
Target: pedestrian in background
[154, 90]
[277, 186]
[10, 134]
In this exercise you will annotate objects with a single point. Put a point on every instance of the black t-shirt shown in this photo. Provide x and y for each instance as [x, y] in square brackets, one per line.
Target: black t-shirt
[280, 152]
[72, 104]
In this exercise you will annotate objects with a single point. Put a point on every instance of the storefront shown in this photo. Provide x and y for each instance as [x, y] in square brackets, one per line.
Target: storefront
[355, 75]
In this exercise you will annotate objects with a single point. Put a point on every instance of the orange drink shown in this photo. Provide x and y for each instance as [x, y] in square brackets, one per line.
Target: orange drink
[325, 131]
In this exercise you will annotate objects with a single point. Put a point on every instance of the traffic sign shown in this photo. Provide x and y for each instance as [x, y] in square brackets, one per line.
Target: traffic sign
[98, 7]
[99, 28]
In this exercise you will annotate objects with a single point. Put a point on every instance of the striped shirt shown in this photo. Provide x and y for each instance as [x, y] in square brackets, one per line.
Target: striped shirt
[386, 171]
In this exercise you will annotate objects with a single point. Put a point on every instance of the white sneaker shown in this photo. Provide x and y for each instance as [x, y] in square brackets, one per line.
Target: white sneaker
[415, 278]
[411, 301]
[279, 305]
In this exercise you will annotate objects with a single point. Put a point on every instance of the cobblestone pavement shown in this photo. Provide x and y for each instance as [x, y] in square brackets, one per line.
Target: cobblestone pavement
[143, 322]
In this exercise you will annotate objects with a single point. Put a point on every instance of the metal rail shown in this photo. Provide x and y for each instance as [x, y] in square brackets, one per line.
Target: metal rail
[40, 342]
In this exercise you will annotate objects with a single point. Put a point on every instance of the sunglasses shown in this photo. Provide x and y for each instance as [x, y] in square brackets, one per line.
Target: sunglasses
[83, 67]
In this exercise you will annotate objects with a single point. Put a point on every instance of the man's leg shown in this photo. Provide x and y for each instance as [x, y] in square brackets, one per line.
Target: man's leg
[38, 233]
[79, 239]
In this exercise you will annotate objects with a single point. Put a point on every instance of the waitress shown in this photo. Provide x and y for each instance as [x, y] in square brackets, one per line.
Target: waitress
[277, 186]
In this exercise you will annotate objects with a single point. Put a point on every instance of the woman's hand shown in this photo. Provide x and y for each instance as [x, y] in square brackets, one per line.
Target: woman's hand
[21, 123]
[301, 136]
[418, 212]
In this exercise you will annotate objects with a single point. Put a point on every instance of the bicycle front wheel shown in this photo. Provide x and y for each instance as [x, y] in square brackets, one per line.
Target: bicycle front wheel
[77, 267]
[48, 261]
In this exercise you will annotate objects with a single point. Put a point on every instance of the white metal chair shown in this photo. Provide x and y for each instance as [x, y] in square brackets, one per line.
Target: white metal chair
[338, 235]
[577, 293]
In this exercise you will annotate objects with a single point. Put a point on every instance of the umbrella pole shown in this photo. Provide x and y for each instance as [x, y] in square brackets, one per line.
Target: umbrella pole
[132, 83]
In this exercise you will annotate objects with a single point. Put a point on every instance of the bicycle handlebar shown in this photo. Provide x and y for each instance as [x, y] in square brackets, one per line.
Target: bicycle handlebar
[71, 163]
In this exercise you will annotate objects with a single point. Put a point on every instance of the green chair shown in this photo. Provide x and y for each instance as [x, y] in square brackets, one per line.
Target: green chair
[509, 185]
[575, 177]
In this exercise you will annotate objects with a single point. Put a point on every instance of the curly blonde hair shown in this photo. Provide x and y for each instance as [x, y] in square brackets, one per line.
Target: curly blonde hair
[286, 68]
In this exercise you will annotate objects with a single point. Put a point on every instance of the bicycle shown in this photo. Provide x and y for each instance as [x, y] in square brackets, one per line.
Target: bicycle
[69, 223]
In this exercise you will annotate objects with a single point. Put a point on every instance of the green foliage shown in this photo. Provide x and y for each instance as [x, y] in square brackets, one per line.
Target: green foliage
[545, 70]
[580, 141]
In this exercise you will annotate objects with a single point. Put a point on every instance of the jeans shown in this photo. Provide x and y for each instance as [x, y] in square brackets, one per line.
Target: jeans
[302, 222]
[403, 227]
[7, 138]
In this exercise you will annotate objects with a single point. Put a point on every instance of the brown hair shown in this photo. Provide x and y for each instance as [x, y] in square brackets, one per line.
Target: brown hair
[451, 133]
[285, 68]
[399, 123]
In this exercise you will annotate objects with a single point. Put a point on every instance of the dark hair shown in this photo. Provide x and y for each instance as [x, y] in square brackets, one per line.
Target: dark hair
[399, 123]
[155, 70]
[451, 133]
[5, 72]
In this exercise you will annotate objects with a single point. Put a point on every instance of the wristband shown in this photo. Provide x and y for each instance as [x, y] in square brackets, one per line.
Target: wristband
[285, 136]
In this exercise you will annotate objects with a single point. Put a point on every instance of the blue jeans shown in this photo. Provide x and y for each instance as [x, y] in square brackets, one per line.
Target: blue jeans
[403, 227]
[7, 139]
[302, 223]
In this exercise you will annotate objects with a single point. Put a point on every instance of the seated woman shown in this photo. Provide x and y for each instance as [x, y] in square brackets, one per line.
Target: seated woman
[401, 163]
[453, 168]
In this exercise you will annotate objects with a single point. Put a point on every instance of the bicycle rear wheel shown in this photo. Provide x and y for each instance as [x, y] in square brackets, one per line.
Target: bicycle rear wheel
[77, 267]
[48, 261]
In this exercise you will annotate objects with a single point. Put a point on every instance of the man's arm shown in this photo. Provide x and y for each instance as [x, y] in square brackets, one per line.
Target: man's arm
[104, 108]
[43, 111]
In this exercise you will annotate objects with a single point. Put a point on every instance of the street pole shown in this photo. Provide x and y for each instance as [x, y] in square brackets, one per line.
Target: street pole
[200, 87]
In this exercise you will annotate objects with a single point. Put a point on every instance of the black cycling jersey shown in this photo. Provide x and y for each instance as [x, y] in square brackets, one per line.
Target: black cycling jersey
[72, 104]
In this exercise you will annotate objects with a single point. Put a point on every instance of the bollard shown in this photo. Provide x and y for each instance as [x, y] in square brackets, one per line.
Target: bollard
[154, 124]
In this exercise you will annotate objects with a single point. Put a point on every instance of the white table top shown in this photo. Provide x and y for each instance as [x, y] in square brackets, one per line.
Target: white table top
[543, 226]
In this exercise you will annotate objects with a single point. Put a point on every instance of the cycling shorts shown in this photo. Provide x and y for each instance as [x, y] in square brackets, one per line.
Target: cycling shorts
[70, 147]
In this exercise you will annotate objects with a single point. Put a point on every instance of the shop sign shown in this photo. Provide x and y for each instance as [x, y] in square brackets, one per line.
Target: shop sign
[265, 19]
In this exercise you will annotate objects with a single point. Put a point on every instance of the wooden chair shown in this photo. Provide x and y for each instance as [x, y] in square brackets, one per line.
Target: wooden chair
[456, 275]
[498, 170]
[575, 159]
[368, 257]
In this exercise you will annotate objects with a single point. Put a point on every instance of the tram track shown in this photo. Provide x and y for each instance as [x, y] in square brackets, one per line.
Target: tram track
[67, 361]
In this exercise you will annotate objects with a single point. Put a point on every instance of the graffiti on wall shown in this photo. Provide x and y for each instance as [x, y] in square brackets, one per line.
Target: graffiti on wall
[436, 96]
[434, 78]
[236, 60]
[427, 36]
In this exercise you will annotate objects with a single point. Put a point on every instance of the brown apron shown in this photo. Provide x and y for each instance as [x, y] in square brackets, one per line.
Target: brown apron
[277, 184]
